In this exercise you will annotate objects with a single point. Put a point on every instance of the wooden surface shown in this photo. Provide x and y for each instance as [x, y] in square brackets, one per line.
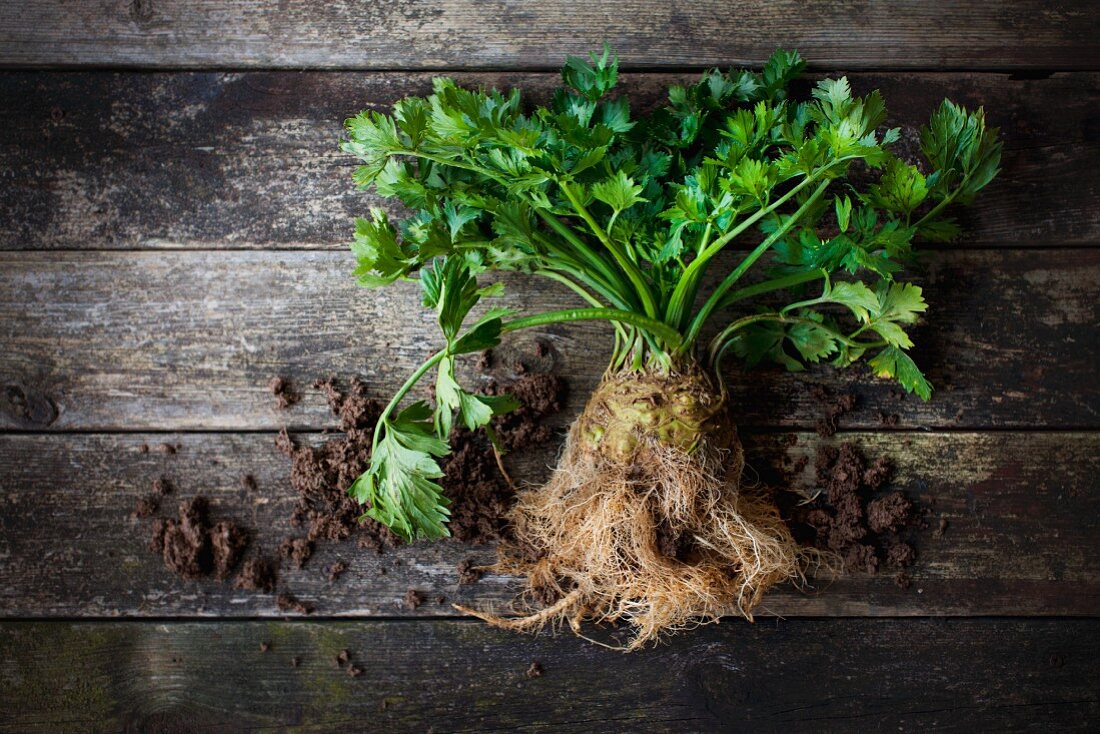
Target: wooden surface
[856, 674]
[391, 34]
[1021, 511]
[173, 224]
[227, 160]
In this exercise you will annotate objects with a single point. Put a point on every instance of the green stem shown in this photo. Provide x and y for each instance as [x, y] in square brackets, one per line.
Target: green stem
[403, 391]
[727, 283]
[776, 284]
[627, 265]
[657, 328]
[598, 263]
[580, 291]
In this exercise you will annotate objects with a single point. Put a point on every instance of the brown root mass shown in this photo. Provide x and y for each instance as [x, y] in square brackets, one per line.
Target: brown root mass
[644, 521]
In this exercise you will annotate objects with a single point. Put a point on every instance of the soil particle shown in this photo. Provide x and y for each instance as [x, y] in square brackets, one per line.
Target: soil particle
[257, 574]
[265, 646]
[413, 599]
[902, 580]
[342, 658]
[534, 670]
[144, 448]
[248, 482]
[941, 529]
[484, 361]
[162, 486]
[354, 671]
[227, 544]
[192, 548]
[297, 550]
[834, 408]
[290, 603]
[295, 661]
[285, 395]
[889, 419]
[336, 570]
[147, 506]
[468, 573]
[441, 600]
[853, 516]
[167, 448]
[480, 495]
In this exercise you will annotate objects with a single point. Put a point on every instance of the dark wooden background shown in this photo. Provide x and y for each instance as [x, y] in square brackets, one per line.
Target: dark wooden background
[173, 214]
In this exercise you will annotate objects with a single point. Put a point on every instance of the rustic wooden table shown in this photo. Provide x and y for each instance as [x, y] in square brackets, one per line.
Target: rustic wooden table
[173, 221]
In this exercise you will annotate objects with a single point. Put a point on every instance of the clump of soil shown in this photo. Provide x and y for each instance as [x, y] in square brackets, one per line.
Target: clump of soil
[322, 474]
[284, 392]
[835, 407]
[147, 506]
[290, 603]
[853, 517]
[193, 548]
[413, 599]
[468, 573]
[337, 570]
[297, 550]
[257, 574]
[480, 495]
[534, 670]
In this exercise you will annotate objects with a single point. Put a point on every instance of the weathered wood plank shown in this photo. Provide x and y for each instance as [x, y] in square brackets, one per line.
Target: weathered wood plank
[447, 676]
[418, 34]
[189, 340]
[211, 160]
[1023, 513]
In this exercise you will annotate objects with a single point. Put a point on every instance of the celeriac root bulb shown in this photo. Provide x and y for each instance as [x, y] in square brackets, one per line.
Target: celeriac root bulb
[644, 520]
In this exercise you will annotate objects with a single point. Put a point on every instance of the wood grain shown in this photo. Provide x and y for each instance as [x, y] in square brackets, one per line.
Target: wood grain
[190, 340]
[445, 676]
[1022, 512]
[213, 160]
[406, 34]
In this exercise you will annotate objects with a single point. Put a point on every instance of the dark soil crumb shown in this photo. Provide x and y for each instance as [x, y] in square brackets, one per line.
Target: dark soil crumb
[441, 600]
[519, 368]
[852, 516]
[342, 658]
[354, 671]
[542, 349]
[295, 661]
[941, 529]
[479, 495]
[321, 475]
[249, 483]
[297, 550]
[290, 603]
[902, 580]
[834, 408]
[144, 448]
[227, 543]
[468, 573]
[192, 548]
[889, 419]
[162, 486]
[534, 670]
[147, 506]
[167, 448]
[257, 574]
[484, 361]
[285, 395]
[336, 570]
[265, 646]
[413, 599]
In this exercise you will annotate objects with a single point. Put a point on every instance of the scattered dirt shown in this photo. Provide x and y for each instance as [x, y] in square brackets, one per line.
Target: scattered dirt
[468, 573]
[257, 574]
[284, 392]
[295, 661]
[167, 448]
[162, 486]
[834, 408]
[342, 658]
[248, 482]
[354, 671]
[853, 516]
[297, 550]
[480, 495]
[941, 529]
[413, 599]
[265, 646]
[290, 603]
[194, 549]
[337, 570]
[147, 506]
[534, 670]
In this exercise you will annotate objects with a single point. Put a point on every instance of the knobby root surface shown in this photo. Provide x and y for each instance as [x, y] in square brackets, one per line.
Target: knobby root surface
[663, 540]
